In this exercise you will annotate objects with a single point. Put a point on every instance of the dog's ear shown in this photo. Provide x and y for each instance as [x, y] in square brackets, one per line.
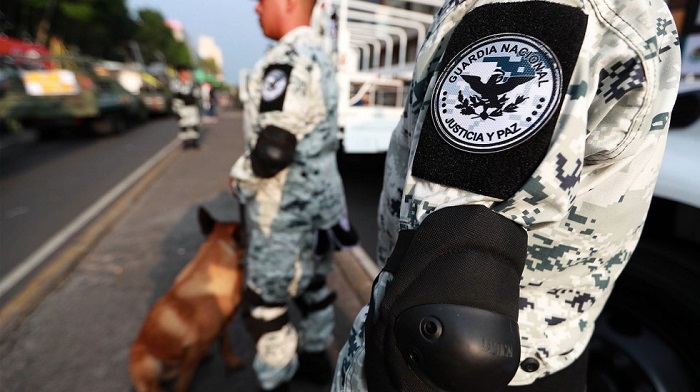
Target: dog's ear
[206, 222]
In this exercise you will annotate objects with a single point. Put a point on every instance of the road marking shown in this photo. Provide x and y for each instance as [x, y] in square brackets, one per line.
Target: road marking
[60, 238]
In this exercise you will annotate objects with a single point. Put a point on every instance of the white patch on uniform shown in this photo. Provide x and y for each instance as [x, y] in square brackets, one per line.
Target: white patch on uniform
[274, 84]
[497, 93]
[278, 348]
[269, 198]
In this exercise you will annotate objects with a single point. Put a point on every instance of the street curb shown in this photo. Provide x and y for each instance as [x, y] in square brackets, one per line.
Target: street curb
[56, 269]
[359, 270]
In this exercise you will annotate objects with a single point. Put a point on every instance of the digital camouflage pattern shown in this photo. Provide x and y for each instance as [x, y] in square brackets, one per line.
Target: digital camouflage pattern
[186, 101]
[308, 195]
[585, 204]
[286, 212]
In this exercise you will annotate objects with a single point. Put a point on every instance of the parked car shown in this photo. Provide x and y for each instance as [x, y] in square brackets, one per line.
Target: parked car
[157, 98]
[155, 95]
[647, 339]
[118, 108]
[56, 98]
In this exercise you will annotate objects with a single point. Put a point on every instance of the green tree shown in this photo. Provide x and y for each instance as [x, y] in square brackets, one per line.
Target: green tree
[157, 41]
[209, 66]
[22, 17]
[99, 28]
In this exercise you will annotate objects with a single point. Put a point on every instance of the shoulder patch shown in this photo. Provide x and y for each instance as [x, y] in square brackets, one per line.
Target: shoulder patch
[274, 87]
[496, 93]
[497, 98]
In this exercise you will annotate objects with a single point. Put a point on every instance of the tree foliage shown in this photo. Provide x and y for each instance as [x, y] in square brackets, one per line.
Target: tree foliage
[99, 28]
[209, 66]
[156, 40]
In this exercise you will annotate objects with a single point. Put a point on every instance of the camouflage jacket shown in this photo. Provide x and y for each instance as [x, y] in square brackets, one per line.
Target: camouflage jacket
[564, 138]
[188, 93]
[293, 87]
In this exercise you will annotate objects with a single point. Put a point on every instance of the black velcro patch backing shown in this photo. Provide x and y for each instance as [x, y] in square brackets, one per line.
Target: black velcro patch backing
[274, 87]
[503, 77]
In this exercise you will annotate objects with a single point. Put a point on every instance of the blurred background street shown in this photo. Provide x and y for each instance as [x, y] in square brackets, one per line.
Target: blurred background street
[98, 198]
[78, 338]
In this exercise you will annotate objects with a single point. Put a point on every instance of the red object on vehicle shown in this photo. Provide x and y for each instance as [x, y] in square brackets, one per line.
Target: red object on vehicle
[24, 51]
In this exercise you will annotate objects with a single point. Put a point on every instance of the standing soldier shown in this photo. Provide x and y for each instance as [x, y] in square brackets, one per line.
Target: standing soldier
[289, 182]
[186, 101]
[516, 187]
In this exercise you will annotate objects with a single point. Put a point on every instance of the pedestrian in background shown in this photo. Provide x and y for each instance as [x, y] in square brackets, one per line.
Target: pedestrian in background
[186, 105]
[294, 198]
[516, 187]
[209, 103]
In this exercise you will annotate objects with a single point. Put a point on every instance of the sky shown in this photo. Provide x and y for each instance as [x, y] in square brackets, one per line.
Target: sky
[232, 23]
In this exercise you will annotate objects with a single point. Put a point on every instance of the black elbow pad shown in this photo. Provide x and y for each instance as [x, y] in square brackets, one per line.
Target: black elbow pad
[273, 151]
[448, 318]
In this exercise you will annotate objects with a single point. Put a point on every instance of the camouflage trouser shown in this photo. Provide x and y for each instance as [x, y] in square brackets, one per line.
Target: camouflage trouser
[188, 116]
[189, 123]
[280, 268]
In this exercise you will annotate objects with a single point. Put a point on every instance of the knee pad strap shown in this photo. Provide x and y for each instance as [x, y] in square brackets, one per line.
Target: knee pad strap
[259, 326]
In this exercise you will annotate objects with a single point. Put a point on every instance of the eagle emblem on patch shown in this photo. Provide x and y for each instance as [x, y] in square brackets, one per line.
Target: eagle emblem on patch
[497, 93]
[274, 84]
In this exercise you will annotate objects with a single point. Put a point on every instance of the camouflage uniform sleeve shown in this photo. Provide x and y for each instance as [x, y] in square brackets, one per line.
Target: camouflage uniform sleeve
[584, 203]
[607, 110]
[303, 106]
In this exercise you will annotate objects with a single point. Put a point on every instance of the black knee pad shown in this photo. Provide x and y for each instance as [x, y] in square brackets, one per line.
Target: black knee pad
[448, 319]
[258, 327]
[306, 307]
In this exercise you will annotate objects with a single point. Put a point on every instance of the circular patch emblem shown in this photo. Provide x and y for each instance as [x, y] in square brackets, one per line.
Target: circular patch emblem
[274, 83]
[496, 93]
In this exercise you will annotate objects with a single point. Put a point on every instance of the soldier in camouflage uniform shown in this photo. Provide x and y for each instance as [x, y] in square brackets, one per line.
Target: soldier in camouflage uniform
[289, 182]
[186, 105]
[549, 115]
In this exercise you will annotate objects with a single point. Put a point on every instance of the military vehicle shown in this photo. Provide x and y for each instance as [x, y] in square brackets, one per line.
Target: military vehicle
[66, 94]
[155, 93]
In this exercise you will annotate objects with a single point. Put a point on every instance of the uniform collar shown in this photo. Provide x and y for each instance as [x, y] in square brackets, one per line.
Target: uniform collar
[295, 33]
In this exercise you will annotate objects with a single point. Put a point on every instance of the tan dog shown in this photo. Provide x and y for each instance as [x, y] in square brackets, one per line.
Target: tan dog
[197, 309]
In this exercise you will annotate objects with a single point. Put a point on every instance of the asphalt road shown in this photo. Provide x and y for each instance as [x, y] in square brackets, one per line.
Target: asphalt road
[50, 189]
[47, 185]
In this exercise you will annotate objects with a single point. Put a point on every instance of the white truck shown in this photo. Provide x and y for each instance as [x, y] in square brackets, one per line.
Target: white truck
[374, 47]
